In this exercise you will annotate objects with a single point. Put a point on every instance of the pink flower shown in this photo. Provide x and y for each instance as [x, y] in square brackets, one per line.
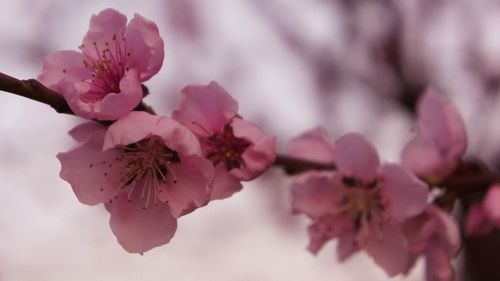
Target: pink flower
[363, 203]
[237, 148]
[148, 170]
[103, 81]
[435, 235]
[441, 140]
[484, 217]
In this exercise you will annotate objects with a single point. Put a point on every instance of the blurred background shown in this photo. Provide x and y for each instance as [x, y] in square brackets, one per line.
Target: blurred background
[347, 65]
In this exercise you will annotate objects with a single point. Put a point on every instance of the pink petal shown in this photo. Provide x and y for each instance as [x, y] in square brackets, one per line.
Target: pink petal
[72, 93]
[477, 223]
[131, 128]
[405, 194]
[441, 139]
[205, 109]
[391, 252]
[423, 158]
[357, 157]
[94, 175]
[346, 246]
[145, 47]
[315, 194]
[137, 229]
[194, 178]
[177, 137]
[61, 65]
[448, 232]
[438, 266]
[116, 105]
[81, 132]
[312, 145]
[440, 119]
[419, 231]
[326, 228]
[491, 205]
[103, 28]
[259, 156]
[224, 184]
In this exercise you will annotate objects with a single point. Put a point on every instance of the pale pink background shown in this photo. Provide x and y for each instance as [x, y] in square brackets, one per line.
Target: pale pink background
[46, 234]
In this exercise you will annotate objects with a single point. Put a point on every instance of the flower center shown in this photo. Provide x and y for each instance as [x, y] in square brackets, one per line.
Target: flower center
[108, 66]
[148, 166]
[365, 205]
[224, 148]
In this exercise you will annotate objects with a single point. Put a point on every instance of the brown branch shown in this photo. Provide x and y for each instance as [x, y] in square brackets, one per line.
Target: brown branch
[457, 184]
[293, 166]
[34, 90]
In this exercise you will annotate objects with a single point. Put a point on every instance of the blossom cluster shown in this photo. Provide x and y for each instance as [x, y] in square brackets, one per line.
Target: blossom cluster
[384, 209]
[150, 170]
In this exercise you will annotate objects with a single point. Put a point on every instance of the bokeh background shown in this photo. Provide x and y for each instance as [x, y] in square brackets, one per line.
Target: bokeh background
[347, 65]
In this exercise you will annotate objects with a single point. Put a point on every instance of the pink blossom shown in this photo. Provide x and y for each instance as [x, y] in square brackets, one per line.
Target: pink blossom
[148, 170]
[237, 148]
[103, 80]
[436, 236]
[484, 217]
[363, 203]
[441, 139]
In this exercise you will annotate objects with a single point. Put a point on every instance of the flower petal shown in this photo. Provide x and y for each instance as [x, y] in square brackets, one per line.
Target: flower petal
[438, 266]
[346, 246]
[205, 109]
[326, 228]
[194, 177]
[224, 184]
[177, 137]
[131, 128]
[116, 105]
[491, 205]
[61, 65]
[81, 132]
[313, 145]
[391, 253]
[448, 232]
[477, 223]
[145, 47]
[315, 194]
[259, 156]
[423, 158]
[406, 195]
[441, 139]
[357, 157]
[137, 229]
[94, 175]
[440, 120]
[103, 27]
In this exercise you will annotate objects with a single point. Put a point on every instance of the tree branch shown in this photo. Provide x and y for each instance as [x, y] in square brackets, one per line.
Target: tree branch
[457, 184]
[34, 90]
[294, 166]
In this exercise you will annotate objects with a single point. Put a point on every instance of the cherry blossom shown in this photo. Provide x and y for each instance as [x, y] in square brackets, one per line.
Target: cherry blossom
[363, 203]
[237, 148]
[148, 170]
[436, 236]
[441, 139]
[484, 217]
[103, 80]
